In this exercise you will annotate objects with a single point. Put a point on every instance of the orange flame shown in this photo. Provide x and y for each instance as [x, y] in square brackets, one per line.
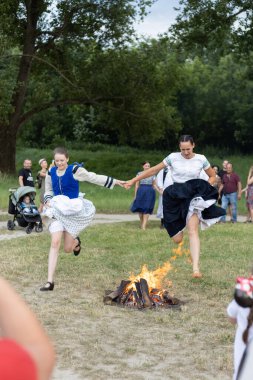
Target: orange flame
[180, 251]
[154, 278]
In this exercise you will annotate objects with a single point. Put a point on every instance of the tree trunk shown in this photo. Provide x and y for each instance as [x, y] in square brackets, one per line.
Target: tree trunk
[8, 150]
[8, 132]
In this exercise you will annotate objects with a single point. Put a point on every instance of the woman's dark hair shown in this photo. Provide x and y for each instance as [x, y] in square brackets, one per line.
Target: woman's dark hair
[186, 138]
[144, 162]
[61, 150]
[246, 331]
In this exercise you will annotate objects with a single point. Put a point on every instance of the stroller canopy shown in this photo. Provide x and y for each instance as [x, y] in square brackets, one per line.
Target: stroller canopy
[21, 192]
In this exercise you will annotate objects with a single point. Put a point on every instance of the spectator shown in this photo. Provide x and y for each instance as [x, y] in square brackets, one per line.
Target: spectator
[220, 174]
[41, 176]
[218, 179]
[25, 177]
[26, 352]
[224, 169]
[232, 190]
[144, 196]
[249, 195]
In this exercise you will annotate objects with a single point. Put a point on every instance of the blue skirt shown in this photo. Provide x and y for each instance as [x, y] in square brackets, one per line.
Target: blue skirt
[145, 200]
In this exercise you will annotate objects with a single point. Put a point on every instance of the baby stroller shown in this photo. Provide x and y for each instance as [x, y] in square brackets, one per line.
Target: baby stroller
[26, 215]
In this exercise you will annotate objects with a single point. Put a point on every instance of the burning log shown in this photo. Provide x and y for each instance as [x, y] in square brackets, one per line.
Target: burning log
[147, 301]
[114, 295]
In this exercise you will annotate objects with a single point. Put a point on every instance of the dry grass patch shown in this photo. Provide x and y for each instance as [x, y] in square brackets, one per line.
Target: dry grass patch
[102, 342]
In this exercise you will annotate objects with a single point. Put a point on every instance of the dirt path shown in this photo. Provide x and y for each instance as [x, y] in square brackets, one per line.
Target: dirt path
[99, 219]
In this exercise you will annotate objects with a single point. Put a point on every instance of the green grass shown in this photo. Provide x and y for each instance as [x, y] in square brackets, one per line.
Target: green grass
[132, 344]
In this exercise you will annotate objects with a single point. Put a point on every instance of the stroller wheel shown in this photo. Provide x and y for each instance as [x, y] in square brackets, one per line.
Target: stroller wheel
[38, 228]
[29, 228]
[10, 225]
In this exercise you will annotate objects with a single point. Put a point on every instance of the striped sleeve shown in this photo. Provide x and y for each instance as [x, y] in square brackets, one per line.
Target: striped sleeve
[97, 179]
[108, 182]
[48, 188]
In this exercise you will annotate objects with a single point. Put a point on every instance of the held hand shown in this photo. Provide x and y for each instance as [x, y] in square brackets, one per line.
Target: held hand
[120, 183]
[128, 184]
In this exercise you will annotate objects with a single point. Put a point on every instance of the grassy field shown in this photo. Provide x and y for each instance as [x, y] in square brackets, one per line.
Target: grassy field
[122, 163]
[94, 341]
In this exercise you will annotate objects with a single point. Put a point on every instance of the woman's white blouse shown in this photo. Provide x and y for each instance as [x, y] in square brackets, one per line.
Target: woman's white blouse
[183, 169]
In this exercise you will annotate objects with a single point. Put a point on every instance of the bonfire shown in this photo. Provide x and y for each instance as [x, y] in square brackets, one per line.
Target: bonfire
[145, 290]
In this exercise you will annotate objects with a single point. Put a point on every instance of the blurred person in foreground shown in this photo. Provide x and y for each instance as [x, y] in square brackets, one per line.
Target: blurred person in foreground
[240, 312]
[26, 353]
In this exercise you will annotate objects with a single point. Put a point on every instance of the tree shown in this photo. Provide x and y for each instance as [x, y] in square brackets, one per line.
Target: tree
[138, 85]
[38, 36]
[216, 27]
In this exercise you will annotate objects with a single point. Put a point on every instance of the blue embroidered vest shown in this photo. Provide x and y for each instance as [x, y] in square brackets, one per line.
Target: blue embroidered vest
[66, 184]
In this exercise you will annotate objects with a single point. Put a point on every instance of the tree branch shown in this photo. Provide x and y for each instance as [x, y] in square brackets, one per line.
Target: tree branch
[88, 102]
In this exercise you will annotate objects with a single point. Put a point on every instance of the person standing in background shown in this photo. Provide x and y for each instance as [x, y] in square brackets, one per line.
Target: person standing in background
[144, 200]
[41, 176]
[231, 188]
[163, 180]
[223, 170]
[249, 195]
[25, 177]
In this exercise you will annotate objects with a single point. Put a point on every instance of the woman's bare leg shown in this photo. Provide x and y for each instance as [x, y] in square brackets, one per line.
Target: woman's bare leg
[69, 242]
[53, 254]
[178, 238]
[141, 218]
[144, 221]
[193, 231]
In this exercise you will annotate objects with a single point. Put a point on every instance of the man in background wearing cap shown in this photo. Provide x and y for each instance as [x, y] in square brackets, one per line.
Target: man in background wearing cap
[41, 176]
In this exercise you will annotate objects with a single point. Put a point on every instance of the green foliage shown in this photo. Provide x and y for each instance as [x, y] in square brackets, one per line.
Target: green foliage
[215, 102]
[213, 28]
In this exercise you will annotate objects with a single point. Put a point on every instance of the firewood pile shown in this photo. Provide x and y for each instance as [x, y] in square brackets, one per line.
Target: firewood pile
[138, 295]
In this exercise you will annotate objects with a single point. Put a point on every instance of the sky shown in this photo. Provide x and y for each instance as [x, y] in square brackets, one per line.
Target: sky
[161, 16]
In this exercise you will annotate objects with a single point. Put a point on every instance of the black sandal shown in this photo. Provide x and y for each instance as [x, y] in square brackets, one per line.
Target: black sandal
[48, 286]
[76, 253]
